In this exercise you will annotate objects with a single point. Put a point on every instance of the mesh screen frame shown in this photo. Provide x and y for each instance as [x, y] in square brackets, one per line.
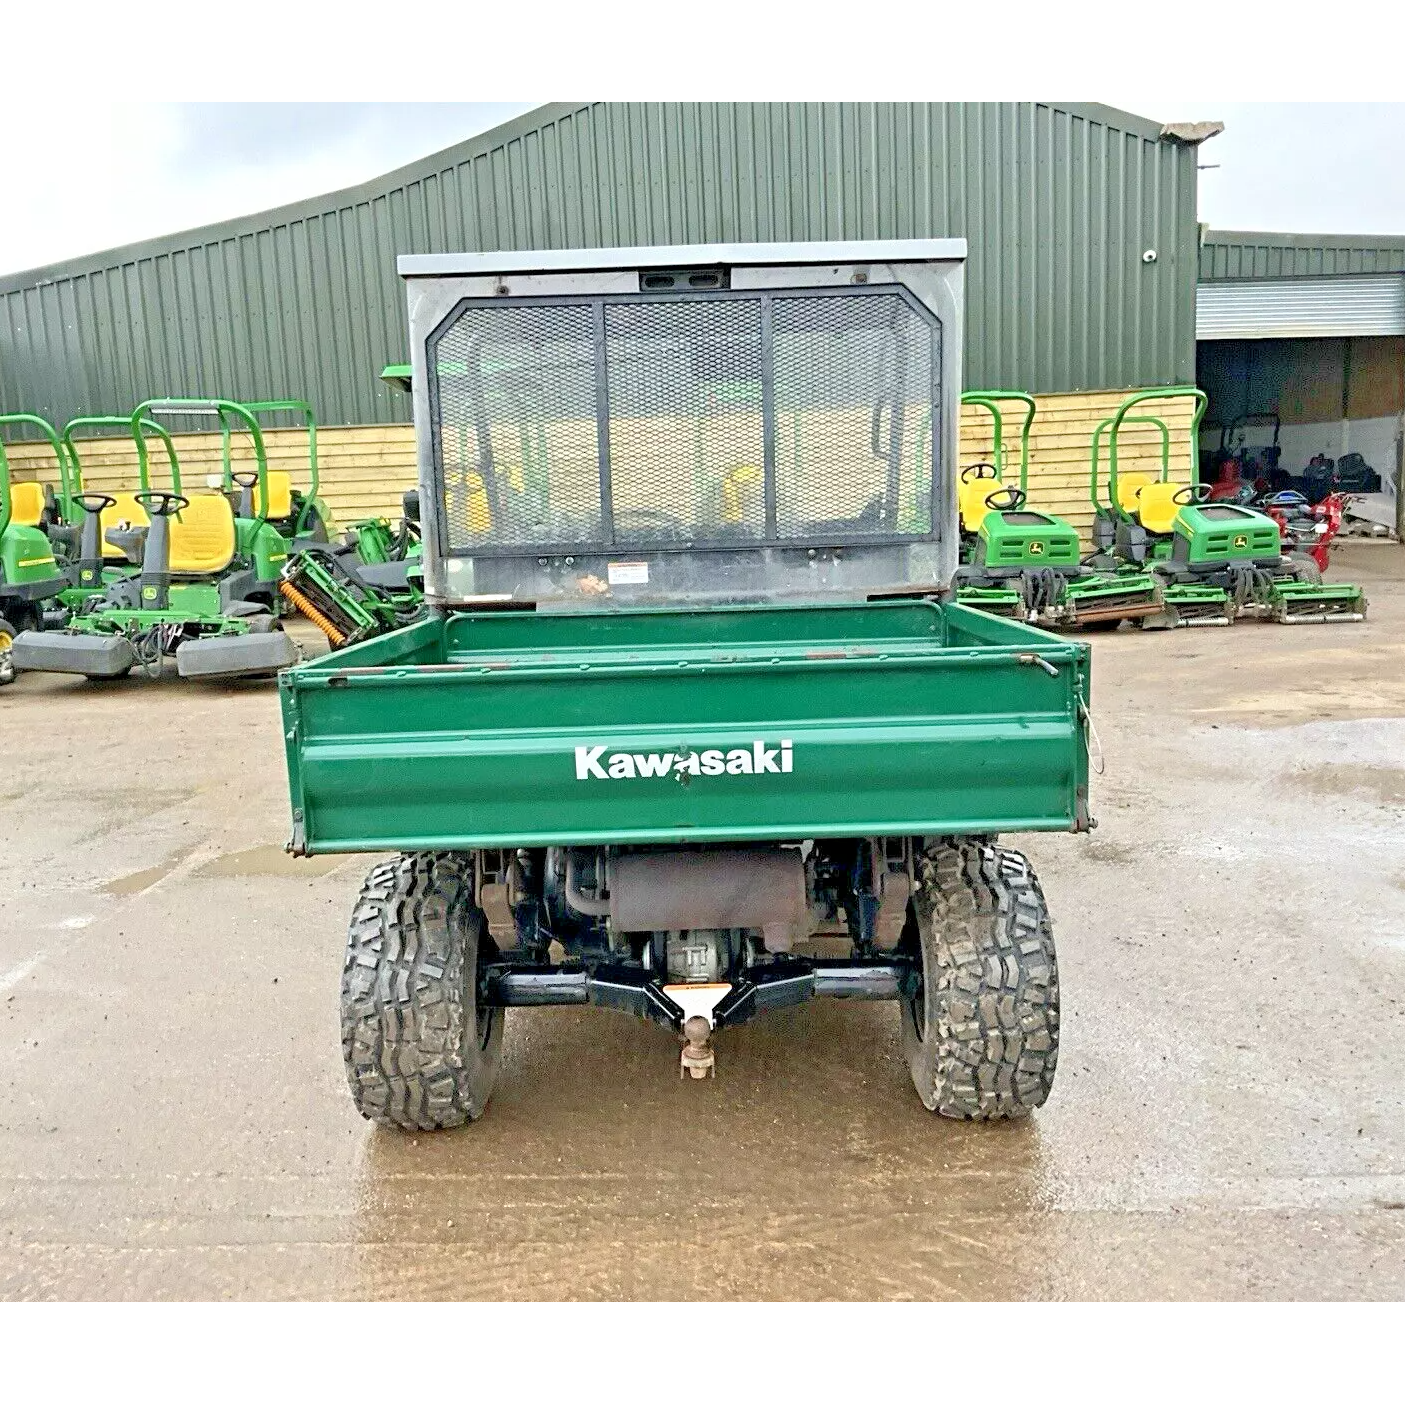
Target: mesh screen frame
[609, 540]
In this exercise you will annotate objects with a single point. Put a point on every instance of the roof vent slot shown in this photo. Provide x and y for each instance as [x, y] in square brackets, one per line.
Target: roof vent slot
[684, 279]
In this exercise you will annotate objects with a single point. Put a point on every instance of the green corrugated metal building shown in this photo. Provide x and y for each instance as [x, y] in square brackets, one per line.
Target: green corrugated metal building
[1081, 221]
[1231, 254]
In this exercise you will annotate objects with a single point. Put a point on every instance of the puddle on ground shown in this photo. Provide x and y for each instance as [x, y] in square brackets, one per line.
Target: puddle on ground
[1383, 785]
[270, 861]
[145, 878]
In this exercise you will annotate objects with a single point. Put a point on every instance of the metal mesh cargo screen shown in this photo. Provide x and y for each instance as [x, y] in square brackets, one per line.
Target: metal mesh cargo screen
[716, 420]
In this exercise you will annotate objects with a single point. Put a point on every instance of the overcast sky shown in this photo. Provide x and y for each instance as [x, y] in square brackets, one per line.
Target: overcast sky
[98, 175]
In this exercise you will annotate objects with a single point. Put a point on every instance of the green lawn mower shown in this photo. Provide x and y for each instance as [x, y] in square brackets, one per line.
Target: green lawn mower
[1216, 561]
[89, 560]
[300, 518]
[30, 579]
[206, 592]
[1027, 564]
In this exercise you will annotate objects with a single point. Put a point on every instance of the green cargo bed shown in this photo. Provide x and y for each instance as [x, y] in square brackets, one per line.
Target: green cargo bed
[508, 729]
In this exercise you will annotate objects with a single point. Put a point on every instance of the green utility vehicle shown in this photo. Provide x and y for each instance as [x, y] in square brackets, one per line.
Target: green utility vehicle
[30, 579]
[205, 593]
[1027, 564]
[1216, 560]
[699, 692]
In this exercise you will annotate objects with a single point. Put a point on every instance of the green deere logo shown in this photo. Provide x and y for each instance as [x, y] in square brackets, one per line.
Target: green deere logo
[148, 592]
[1241, 540]
[1036, 548]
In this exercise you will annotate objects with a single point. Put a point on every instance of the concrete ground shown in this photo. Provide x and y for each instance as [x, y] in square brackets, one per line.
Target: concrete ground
[1228, 1120]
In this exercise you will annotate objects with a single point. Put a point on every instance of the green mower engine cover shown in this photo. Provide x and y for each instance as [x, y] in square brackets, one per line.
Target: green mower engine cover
[27, 567]
[1207, 536]
[1021, 539]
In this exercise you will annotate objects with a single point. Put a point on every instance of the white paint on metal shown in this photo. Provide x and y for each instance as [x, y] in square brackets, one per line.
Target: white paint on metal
[1363, 305]
[844, 251]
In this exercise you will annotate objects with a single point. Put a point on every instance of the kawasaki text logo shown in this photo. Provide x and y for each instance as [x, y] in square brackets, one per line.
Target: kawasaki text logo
[755, 760]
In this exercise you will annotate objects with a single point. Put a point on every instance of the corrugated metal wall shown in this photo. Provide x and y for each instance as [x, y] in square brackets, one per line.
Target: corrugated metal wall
[1059, 203]
[1238, 254]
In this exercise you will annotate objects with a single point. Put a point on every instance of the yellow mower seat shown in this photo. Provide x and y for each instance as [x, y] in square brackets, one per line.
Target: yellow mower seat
[125, 510]
[202, 537]
[1156, 508]
[1129, 487]
[26, 504]
[280, 494]
[971, 495]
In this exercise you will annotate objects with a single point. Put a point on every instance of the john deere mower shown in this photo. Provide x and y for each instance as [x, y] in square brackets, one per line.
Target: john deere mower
[30, 579]
[1028, 564]
[300, 518]
[206, 591]
[89, 560]
[1216, 561]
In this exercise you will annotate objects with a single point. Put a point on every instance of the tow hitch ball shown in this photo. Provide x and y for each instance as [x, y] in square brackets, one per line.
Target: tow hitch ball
[698, 1056]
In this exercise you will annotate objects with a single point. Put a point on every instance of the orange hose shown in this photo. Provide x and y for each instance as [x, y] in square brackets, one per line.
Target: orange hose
[301, 603]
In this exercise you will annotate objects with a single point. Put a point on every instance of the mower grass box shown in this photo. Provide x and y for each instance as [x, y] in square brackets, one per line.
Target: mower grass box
[692, 686]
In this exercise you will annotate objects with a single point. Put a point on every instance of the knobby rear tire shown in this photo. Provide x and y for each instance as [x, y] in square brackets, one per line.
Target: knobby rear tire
[1306, 571]
[421, 1052]
[981, 1028]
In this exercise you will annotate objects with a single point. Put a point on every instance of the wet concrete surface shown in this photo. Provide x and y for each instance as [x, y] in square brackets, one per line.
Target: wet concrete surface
[1228, 1119]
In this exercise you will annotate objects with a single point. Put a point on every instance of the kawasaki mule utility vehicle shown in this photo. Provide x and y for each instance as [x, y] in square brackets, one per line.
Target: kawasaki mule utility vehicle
[1216, 561]
[695, 689]
[1026, 564]
[206, 591]
[30, 579]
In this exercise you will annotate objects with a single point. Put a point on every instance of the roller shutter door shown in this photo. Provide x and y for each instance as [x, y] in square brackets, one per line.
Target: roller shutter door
[1369, 305]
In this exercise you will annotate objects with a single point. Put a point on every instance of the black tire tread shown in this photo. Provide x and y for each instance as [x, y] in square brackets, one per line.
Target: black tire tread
[984, 927]
[405, 995]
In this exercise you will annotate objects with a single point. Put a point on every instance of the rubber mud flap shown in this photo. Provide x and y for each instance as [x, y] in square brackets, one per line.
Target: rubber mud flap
[234, 654]
[97, 655]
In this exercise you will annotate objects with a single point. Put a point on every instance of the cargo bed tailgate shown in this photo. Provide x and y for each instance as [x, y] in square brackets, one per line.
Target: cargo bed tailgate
[482, 731]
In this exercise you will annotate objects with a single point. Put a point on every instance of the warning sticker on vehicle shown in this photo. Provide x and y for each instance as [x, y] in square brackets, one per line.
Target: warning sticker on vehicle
[628, 572]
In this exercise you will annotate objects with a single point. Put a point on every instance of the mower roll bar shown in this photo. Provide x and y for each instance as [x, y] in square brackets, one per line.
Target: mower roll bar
[215, 408]
[113, 421]
[988, 400]
[1097, 440]
[1114, 426]
[273, 407]
[49, 433]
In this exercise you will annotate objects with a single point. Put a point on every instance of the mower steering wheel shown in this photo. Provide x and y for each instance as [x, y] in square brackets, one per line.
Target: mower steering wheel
[87, 500]
[245, 480]
[1014, 499]
[971, 471]
[1192, 495]
[149, 499]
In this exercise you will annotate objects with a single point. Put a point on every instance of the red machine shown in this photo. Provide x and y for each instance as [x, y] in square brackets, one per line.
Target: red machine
[1305, 528]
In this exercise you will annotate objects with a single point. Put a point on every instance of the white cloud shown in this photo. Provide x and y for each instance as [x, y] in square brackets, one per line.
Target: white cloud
[96, 175]
[1299, 167]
